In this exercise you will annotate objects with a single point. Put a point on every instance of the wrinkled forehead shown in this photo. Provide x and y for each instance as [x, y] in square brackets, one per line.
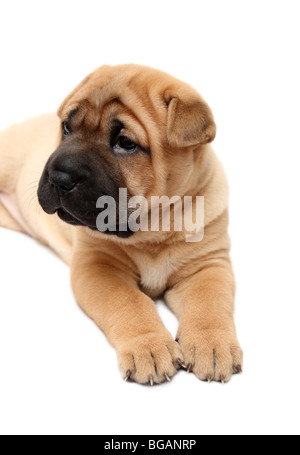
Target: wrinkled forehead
[133, 97]
[94, 118]
[132, 84]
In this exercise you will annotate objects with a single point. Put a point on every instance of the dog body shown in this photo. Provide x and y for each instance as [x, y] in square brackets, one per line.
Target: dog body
[140, 129]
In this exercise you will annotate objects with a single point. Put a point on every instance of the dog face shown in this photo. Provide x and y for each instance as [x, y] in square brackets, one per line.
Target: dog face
[123, 127]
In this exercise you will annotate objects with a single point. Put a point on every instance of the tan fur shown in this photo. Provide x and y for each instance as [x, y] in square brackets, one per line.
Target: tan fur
[115, 280]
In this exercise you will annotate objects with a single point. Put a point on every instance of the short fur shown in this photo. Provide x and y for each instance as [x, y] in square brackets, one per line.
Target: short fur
[115, 279]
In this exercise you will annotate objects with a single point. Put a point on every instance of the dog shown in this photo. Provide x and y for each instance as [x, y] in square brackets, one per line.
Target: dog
[142, 130]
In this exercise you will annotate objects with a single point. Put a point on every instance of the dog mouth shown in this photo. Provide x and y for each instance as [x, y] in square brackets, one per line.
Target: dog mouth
[67, 217]
[120, 231]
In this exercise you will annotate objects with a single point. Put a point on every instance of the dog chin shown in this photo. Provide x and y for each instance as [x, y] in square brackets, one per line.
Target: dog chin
[122, 232]
[70, 219]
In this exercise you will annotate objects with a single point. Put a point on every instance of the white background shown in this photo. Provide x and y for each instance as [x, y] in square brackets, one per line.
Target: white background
[58, 375]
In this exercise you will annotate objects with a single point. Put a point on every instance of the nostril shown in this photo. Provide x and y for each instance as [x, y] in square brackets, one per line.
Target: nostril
[67, 188]
[62, 182]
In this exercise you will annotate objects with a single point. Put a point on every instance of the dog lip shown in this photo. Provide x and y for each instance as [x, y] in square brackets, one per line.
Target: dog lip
[68, 218]
[49, 211]
[48, 208]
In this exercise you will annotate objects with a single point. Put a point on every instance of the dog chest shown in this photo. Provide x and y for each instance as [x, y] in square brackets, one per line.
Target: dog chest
[154, 273]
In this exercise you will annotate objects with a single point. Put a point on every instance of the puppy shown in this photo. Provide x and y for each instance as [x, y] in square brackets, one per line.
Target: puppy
[139, 129]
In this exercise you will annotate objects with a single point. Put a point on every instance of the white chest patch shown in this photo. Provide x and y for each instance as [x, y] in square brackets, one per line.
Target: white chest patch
[155, 273]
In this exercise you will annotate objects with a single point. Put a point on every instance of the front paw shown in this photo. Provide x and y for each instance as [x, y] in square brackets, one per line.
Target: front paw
[213, 355]
[149, 358]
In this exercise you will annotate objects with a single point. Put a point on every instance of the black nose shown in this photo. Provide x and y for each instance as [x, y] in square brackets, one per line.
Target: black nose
[62, 182]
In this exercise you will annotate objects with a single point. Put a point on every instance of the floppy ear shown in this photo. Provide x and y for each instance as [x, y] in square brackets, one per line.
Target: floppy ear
[190, 120]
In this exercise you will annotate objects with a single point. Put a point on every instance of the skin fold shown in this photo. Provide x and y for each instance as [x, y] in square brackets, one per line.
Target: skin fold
[115, 278]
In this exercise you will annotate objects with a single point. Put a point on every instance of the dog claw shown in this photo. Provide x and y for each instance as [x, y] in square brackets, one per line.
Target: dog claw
[167, 377]
[222, 379]
[209, 379]
[189, 367]
[128, 375]
[181, 364]
[239, 369]
[151, 380]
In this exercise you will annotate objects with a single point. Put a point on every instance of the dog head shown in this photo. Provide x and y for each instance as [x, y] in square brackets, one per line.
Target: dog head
[129, 127]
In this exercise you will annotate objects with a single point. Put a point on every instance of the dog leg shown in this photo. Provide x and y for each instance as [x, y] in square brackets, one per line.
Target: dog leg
[204, 306]
[9, 171]
[17, 144]
[109, 295]
[7, 221]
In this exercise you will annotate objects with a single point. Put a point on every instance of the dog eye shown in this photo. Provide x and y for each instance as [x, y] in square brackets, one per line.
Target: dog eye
[66, 129]
[125, 145]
